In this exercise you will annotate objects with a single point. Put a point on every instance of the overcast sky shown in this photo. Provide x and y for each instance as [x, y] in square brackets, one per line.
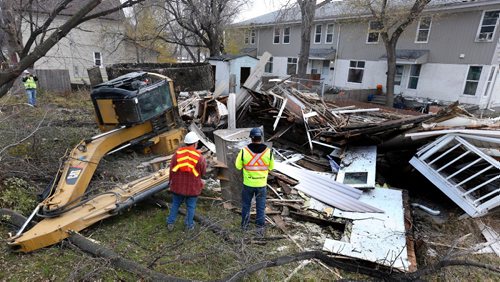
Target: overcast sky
[257, 8]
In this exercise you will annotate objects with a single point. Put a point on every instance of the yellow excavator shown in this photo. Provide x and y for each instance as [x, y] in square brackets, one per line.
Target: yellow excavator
[136, 109]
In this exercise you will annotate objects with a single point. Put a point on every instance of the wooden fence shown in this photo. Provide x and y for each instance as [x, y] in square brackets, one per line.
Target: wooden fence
[53, 80]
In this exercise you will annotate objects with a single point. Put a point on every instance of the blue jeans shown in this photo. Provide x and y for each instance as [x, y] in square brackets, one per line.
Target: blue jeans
[246, 201]
[190, 207]
[31, 93]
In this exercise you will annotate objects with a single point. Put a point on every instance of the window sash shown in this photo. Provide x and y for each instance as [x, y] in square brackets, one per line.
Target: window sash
[414, 76]
[472, 80]
[329, 33]
[291, 66]
[252, 36]
[269, 66]
[356, 71]
[374, 28]
[399, 75]
[423, 29]
[317, 33]
[488, 25]
[276, 35]
[97, 59]
[286, 35]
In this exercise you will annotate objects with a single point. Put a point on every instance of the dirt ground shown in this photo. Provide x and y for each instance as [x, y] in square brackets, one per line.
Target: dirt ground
[61, 121]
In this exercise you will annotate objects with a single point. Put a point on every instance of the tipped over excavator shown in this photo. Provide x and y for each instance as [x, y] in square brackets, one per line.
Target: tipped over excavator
[138, 109]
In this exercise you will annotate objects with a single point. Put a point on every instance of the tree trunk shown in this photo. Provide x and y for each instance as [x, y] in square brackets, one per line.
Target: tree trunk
[391, 72]
[10, 35]
[307, 9]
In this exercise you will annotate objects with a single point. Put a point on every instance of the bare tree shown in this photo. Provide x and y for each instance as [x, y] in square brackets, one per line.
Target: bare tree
[307, 10]
[16, 56]
[392, 18]
[204, 22]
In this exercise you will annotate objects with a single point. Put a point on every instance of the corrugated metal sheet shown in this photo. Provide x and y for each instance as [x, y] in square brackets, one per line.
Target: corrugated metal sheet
[326, 189]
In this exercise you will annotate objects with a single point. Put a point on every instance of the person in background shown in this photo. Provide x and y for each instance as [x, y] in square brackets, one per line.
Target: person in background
[30, 86]
[256, 160]
[186, 169]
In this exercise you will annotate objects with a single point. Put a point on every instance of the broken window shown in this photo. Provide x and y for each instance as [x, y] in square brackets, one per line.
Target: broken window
[317, 33]
[356, 70]
[488, 26]
[329, 33]
[269, 66]
[276, 35]
[291, 66]
[472, 80]
[374, 28]
[97, 59]
[414, 75]
[423, 30]
[286, 35]
[490, 80]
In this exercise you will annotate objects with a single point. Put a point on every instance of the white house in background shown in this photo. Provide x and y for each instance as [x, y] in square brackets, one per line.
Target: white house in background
[98, 42]
[452, 52]
[224, 66]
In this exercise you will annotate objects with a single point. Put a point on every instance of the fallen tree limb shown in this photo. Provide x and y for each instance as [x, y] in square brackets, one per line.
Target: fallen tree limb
[352, 265]
[95, 249]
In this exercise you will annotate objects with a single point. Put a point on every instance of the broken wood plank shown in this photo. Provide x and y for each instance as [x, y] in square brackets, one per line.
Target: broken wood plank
[286, 188]
[279, 222]
[491, 236]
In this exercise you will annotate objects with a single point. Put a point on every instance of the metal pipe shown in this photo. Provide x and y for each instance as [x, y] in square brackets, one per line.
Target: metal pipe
[426, 209]
[27, 221]
[106, 133]
[118, 149]
[139, 197]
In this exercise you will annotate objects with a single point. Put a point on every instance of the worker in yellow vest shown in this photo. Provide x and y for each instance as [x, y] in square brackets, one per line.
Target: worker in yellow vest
[256, 160]
[186, 169]
[30, 86]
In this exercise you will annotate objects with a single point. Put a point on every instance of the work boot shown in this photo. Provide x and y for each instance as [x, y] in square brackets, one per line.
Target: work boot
[260, 232]
[170, 227]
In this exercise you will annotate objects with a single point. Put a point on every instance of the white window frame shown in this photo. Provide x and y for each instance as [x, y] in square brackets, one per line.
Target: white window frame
[491, 79]
[100, 58]
[253, 35]
[370, 31]
[316, 33]
[481, 24]
[274, 35]
[410, 76]
[419, 29]
[247, 37]
[465, 81]
[296, 64]
[400, 76]
[289, 34]
[326, 33]
[357, 68]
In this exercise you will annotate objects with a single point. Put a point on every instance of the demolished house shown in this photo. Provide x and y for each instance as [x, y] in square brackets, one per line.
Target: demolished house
[326, 161]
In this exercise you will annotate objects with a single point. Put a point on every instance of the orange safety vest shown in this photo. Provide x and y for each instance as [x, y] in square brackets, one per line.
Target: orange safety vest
[256, 163]
[187, 158]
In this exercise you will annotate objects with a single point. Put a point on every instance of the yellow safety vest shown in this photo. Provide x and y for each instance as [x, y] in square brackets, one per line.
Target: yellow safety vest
[255, 167]
[30, 83]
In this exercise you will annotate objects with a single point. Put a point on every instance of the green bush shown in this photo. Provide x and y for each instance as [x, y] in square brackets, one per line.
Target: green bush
[16, 194]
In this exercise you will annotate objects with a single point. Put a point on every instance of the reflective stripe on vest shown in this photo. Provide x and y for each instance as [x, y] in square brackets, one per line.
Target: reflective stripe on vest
[187, 159]
[256, 163]
[30, 83]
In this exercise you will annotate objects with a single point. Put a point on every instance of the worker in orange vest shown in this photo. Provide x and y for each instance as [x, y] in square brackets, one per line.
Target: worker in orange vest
[186, 169]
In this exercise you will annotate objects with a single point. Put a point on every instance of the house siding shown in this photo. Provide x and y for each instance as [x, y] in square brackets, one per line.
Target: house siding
[75, 52]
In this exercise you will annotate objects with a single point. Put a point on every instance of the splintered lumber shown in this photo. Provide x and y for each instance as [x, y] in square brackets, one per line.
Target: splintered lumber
[286, 187]
[317, 220]
[284, 178]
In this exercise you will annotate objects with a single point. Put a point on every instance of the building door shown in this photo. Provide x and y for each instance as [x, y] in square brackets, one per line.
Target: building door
[244, 74]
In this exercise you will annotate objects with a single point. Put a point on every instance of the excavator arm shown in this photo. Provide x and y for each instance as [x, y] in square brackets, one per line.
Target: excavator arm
[134, 109]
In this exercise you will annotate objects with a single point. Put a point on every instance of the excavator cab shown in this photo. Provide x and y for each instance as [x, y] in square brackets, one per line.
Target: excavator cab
[134, 98]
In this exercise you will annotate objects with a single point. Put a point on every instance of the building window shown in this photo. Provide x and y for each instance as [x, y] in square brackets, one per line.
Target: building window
[276, 35]
[286, 35]
[317, 33]
[490, 80]
[414, 75]
[472, 80]
[374, 28]
[97, 59]
[291, 66]
[399, 74]
[356, 70]
[269, 66]
[488, 26]
[329, 33]
[423, 30]
[250, 36]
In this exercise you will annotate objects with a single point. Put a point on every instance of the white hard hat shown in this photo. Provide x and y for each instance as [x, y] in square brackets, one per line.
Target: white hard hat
[26, 71]
[191, 138]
